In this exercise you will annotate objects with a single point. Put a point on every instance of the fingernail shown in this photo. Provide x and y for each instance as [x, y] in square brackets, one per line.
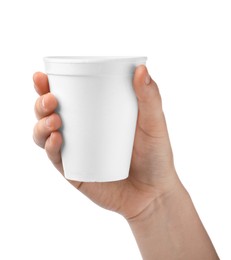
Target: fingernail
[147, 79]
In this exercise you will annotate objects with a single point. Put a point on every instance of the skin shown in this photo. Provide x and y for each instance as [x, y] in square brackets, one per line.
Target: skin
[152, 199]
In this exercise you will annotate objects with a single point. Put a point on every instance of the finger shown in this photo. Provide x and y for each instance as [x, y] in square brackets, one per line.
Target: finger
[45, 105]
[41, 84]
[151, 117]
[53, 149]
[45, 127]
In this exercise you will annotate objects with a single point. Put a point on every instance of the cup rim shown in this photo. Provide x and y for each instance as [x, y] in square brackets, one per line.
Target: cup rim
[93, 59]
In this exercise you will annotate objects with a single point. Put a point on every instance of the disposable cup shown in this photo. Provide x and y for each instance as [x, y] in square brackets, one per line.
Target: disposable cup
[98, 108]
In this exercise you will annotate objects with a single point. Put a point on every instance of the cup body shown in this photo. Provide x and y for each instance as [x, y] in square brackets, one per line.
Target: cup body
[98, 108]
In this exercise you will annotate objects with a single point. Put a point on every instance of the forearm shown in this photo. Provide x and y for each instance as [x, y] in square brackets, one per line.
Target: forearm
[171, 229]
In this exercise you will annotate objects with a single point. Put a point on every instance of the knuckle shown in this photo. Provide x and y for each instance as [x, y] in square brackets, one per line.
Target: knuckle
[57, 121]
[52, 122]
[40, 133]
[39, 108]
[36, 108]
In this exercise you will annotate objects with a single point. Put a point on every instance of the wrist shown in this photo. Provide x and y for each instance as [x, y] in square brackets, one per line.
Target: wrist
[170, 228]
[161, 204]
[154, 227]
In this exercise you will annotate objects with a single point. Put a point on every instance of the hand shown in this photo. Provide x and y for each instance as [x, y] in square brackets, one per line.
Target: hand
[152, 174]
[157, 207]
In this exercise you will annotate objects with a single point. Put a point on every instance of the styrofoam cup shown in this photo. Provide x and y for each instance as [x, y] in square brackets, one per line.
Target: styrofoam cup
[98, 108]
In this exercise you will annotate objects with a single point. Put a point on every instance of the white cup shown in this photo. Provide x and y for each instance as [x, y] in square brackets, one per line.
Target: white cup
[98, 108]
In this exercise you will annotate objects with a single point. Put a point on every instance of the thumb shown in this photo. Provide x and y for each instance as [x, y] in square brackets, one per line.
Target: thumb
[151, 118]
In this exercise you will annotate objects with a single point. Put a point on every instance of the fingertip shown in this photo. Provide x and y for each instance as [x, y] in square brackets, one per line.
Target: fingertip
[139, 75]
[141, 82]
[53, 146]
[41, 83]
[145, 87]
[56, 140]
[45, 105]
[37, 76]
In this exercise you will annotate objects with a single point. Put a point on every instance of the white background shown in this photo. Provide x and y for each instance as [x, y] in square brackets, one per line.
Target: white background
[189, 55]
